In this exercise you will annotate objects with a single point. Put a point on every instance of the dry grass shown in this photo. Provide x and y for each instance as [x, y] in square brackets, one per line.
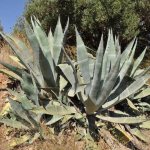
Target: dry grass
[61, 142]
[22, 37]
[5, 52]
[64, 142]
[68, 144]
[3, 141]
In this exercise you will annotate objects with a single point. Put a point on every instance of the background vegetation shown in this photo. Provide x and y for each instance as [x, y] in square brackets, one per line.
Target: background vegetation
[127, 18]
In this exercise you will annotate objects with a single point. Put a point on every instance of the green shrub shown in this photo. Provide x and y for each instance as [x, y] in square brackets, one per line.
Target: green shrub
[91, 17]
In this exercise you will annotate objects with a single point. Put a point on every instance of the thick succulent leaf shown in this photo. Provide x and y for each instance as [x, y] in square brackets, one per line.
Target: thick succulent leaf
[144, 109]
[91, 65]
[22, 98]
[110, 55]
[54, 120]
[13, 123]
[138, 71]
[82, 58]
[25, 52]
[16, 60]
[93, 105]
[58, 41]
[120, 113]
[71, 92]
[144, 72]
[69, 75]
[46, 60]
[105, 60]
[90, 105]
[15, 49]
[145, 125]
[139, 134]
[144, 104]
[51, 38]
[117, 45]
[15, 94]
[14, 69]
[110, 82]
[17, 71]
[33, 43]
[66, 118]
[110, 51]
[18, 109]
[35, 95]
[27, 86]
[124, 84]
[127, 51]
[37, 20]
[130, 103]
[55, 110]
[51, 42]
[39, 110]
[11, 74]
[43, 42]
[125, 67]
[123, 120]
[46, 72]
[143, 93]
[81, 93]
[122, 130]
[72, 64]
[23, 114]
[131, 89]
[23, 59]
[97, 71]
[60, 110]
[26, 103]
[62, 83]
[78, 116]
[137, 62]
[28, 57]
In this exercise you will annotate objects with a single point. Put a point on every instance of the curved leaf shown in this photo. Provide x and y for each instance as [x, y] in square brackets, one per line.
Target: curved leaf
[82, 58]
[137, 62]
[123, 120]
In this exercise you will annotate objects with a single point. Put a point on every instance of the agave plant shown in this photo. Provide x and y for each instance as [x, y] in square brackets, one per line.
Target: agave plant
[48, 83]
[40, 82]
[104, 79]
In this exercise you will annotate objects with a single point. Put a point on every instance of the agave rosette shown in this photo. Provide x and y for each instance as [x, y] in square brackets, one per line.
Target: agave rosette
[110, 77]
